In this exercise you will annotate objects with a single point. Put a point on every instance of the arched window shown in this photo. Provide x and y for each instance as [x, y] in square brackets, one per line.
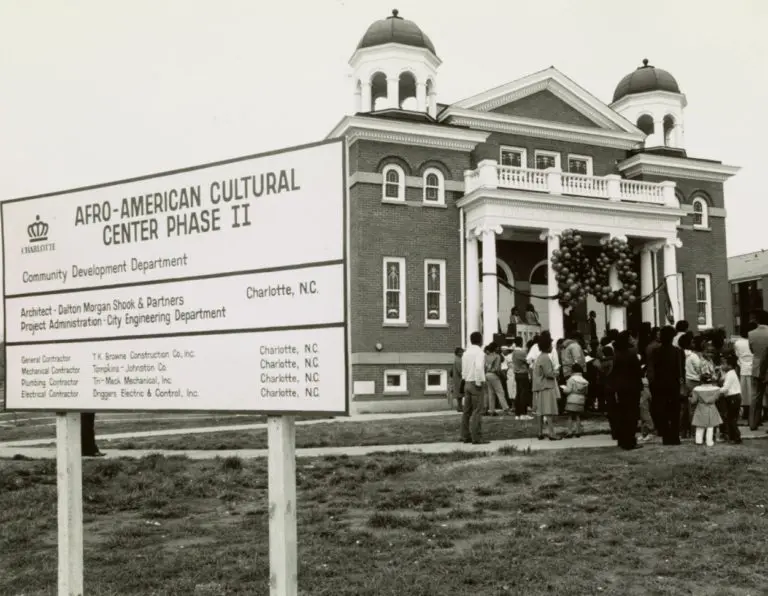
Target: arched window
[700, 213]
[669, 131]
[407, 91]
[645, 123]
[434, 187]
[379, 99]
[393, 188]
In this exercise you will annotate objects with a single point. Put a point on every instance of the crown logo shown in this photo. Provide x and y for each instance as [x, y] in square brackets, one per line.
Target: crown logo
[38, 231]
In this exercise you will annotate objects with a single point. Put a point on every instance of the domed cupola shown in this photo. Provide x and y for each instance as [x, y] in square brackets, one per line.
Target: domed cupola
[395, 29]
[395, 67]
[645, 78]
[650, 97]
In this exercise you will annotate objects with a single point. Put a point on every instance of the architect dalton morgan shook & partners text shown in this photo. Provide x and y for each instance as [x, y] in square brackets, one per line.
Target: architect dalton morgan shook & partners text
[102, 271]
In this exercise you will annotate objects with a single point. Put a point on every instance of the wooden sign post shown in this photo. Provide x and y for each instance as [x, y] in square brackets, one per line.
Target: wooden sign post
[166, 294]
[69, 484]
[283, 540]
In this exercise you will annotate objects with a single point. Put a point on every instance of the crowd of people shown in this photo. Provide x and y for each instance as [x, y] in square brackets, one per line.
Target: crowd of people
[663, 381]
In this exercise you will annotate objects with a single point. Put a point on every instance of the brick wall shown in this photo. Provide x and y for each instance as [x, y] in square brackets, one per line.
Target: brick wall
[416, 381]
[603, 158]
[411, 231]
[544, 105]
[703, 251]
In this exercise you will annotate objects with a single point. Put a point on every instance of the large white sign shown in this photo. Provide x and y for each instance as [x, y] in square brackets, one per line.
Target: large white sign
[220, 287]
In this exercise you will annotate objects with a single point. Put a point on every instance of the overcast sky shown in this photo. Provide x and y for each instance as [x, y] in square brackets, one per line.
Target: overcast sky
[93, 91]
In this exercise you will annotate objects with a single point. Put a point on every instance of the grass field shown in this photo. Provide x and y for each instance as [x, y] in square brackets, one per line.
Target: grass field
[402, 431]
[657, 521]
[42, 426]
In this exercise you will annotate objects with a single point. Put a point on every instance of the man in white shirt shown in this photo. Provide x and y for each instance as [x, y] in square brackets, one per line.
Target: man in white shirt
[681, 328]
[473, 373]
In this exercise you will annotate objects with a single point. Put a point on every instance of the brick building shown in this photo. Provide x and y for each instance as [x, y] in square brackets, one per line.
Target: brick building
[748, 275]
[456, 209]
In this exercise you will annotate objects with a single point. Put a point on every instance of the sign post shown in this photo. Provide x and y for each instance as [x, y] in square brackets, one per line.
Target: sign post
[69, 482]
[218, 288]
[283, 558]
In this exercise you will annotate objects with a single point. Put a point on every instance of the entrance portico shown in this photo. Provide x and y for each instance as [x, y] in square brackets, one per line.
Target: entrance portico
[518, 203]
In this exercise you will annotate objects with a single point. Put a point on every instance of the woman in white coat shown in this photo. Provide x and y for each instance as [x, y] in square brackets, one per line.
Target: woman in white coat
[744, 355]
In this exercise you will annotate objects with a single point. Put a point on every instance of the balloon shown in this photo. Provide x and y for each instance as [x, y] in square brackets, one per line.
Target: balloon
[574, 288]
[567, 295]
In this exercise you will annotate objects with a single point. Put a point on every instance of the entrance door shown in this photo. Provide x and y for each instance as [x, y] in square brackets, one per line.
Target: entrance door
[601, 318]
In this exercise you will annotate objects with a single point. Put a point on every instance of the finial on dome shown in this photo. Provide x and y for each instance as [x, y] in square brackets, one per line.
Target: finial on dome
[395, 12]
[645, 61]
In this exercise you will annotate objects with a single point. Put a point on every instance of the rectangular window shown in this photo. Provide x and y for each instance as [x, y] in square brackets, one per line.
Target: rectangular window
[704, 301]
[513, 156]
[547, 159]
[436, 381]
[580, 164]
[394, 290]
[395, 381]
[434, 292]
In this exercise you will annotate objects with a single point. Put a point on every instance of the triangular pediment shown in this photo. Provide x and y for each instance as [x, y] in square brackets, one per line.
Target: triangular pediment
[545, 105]
[550, 96]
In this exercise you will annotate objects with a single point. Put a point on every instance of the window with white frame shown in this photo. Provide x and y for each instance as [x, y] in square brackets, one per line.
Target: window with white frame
[704, 301]
[393, 188]
[434, 291]
[395, 381]
[434, 186]
[700, 213]
[547, 159]
[513, 156]
[436, 381]
[394, 290]
[580, 164]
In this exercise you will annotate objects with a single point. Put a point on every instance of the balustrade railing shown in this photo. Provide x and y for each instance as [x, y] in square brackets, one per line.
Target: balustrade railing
[586, 186]
[645, 192]
[522, 178]
[613, 188]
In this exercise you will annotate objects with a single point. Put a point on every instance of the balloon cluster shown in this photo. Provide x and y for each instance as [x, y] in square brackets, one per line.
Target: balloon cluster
[615, 251]
[572, 268]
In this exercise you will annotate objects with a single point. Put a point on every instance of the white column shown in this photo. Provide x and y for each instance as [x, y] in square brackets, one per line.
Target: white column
[432, 104]
[358, 101]
[421, 97]
[680, 135]
[649, 280]
[613, 182]
[472, 286]
[658, 134]
[490, 284]
[555, 311]
[365, 98]
[488, 175]
[646, 283]
[617, 315]
[393, 92]
[670, 275]
[555, 181]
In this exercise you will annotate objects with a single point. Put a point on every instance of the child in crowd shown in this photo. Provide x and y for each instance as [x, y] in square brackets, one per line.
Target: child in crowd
[646, 421]
[705, 417]
[730, 394]
[576, 390]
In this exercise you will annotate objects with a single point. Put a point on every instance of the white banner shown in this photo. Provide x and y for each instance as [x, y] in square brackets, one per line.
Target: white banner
[219, 261]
